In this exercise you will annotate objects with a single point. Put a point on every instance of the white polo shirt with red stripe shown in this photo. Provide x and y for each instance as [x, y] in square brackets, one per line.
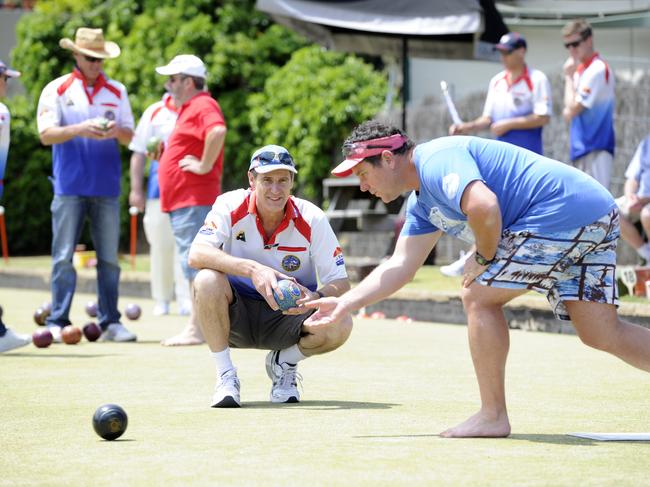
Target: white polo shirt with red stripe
[83, 166]
[5, 120]
[304, 245]
[593, 128]
[158, 120]
[529, 93]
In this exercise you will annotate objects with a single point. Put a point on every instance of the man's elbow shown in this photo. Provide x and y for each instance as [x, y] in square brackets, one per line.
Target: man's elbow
[45, 138]
[193, 258]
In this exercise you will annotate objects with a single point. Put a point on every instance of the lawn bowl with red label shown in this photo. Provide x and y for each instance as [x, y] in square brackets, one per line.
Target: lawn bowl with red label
[290, 293]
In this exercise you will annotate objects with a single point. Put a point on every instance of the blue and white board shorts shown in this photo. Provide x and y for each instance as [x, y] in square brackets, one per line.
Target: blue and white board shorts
[573, 265]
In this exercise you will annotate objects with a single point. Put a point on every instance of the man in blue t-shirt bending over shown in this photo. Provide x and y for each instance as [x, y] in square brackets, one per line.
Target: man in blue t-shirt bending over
[537, 224]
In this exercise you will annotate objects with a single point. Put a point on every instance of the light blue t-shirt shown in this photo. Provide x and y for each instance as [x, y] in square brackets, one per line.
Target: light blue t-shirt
[535, 193]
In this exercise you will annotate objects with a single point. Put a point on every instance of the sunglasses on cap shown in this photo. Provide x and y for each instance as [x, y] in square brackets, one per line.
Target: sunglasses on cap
[91, 59]
[270, 157]
[583, 37]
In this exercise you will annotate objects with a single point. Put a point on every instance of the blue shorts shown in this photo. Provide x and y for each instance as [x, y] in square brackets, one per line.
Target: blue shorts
[573, 265]
[186, 223]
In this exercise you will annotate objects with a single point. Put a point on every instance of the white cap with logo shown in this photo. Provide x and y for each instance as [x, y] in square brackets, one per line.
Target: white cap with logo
[184, 64]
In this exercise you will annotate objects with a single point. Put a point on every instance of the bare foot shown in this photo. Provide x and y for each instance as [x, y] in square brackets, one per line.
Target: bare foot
[191, 335]
[480, 425]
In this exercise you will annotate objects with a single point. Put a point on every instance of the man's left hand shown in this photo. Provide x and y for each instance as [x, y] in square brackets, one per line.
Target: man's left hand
[499, 128]
[190, 163]
[307, 296]
[471, 271]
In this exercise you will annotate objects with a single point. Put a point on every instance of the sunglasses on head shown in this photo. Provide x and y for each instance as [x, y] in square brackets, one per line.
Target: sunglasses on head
[91, 59]
[270, 157]
[583, 37]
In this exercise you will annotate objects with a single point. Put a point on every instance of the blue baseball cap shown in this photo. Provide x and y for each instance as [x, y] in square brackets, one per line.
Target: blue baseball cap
[510, 41]
[271, 158]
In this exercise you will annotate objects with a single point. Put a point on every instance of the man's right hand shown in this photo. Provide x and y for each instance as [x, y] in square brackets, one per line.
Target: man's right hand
[329, 310]
[569, 66]
[458, 129]
[137, 198]
[90, 129]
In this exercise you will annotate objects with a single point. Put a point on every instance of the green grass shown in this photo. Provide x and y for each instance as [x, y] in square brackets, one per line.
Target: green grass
[370, 414]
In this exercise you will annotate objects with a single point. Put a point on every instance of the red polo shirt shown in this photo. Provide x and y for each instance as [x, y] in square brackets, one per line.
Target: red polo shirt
[180, 189]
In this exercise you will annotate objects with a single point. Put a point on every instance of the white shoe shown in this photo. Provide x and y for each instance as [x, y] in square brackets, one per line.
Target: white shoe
[644, 252]
[285, 379]
[456, 268]
[161, 308]
[117, 332]
[185, 308]
[56, 333]
[226, 392]
[12, 340]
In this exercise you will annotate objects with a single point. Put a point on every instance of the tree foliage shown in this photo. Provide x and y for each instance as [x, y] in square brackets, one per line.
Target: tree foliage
[272, 89]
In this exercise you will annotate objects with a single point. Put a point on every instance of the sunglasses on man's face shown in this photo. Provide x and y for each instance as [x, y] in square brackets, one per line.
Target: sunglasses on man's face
[91, 59]
[173, 79]
[574, 44]
[269, 157]
[583, 37]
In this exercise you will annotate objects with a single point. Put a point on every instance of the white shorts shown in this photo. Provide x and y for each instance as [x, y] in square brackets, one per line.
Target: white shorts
[598, 164]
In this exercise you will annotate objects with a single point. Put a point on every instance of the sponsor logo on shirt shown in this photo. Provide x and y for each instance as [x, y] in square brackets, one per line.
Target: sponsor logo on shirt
[206, 231]
[338, 256]
[450, 184]
[241, 236]
[109, 115]
[291, 263]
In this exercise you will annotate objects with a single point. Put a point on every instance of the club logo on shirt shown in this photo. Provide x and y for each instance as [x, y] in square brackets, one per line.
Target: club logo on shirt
[241, 236]
[338, 256]
[291, 263]
[206, 231]
[450, 184]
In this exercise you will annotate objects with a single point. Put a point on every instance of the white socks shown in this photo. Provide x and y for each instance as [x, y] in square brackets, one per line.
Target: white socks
[644, 251]
[291, 355]
[222, 361]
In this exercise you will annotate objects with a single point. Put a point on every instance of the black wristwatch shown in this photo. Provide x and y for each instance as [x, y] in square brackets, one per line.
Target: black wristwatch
[480, 260]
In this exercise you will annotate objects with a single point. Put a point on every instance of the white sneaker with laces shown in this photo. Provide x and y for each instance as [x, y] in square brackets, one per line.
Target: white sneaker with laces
[226, 392]
[285, 378]
[456, 268]
[12, 340]
[161, 308]
[56, 333]
[117, 332]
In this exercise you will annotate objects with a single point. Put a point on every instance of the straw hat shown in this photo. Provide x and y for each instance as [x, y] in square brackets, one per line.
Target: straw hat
[91, 43]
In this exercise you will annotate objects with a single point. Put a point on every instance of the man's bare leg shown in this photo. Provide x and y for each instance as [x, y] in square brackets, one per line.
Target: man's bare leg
[191, 334]
[489, 342]
[325, 339]
[599, 326]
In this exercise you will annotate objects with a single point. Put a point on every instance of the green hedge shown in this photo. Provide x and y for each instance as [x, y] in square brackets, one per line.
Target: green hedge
[273, 87]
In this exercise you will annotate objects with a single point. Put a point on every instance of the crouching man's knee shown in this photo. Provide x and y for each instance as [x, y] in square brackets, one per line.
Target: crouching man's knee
[210, 284]
[326, 338]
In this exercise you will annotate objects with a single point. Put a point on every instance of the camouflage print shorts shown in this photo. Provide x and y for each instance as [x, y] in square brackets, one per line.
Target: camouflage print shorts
[573, 265]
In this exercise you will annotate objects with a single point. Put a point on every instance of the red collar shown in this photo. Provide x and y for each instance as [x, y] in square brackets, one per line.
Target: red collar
[169, 103]
[290, 213]
[582, 66]
[100, 82]
[522, 77]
